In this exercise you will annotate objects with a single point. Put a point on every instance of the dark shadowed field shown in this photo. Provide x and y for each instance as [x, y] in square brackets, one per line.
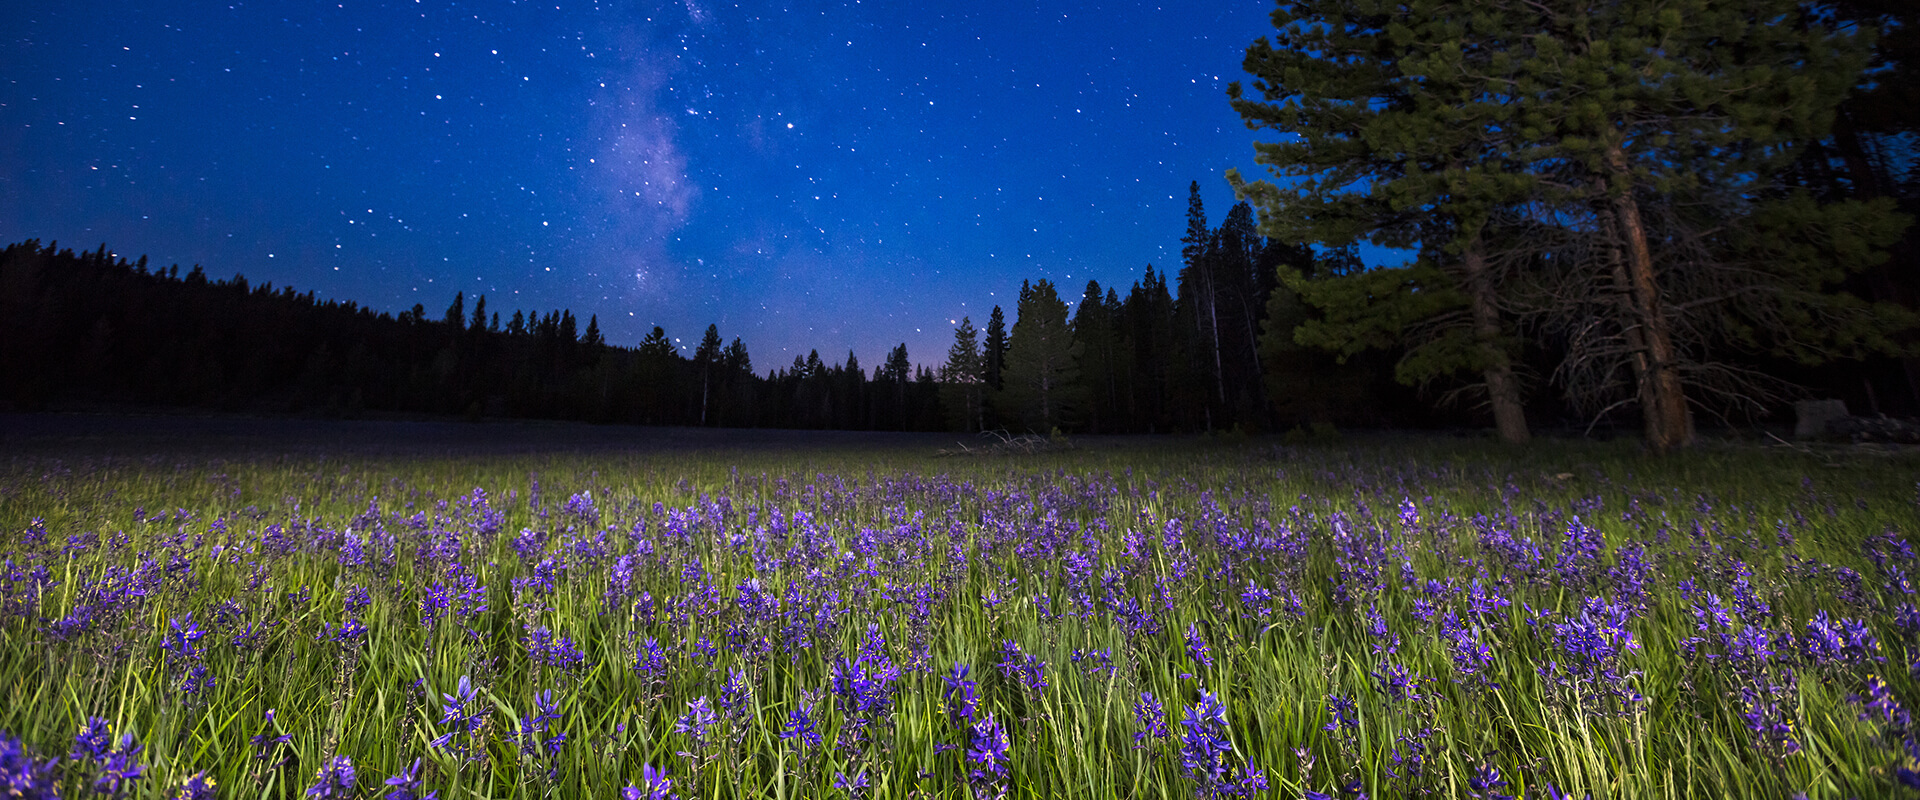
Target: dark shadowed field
[77, 434]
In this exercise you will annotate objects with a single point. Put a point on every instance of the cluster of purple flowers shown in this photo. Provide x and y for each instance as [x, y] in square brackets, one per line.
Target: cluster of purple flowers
[463, 714]
[1842, 642]
[1591, 650]
[1023, 669]
[1206, 754]
[554, 651]
[23, 774]
[114, 766]
[1880, 707]
[988, 749]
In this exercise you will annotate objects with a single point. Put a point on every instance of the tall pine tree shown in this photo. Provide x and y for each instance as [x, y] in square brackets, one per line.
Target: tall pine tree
[1632, 143]
[962, 379]
[1041, 382]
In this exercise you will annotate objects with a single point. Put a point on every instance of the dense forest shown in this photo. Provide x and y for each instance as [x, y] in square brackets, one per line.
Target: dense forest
[1691, 210]
[1608, 217]
[1173, 353]
[1210, 347]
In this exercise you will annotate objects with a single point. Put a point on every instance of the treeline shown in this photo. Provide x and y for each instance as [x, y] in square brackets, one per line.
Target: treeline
[1191, 351]
[87, 327]
[1223, 343]
[1177, 352]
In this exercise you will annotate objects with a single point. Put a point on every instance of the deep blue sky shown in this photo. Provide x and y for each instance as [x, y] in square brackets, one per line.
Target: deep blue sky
[807, 175]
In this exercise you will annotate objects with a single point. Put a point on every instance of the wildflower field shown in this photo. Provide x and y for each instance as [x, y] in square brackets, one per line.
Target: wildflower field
[1391, 618]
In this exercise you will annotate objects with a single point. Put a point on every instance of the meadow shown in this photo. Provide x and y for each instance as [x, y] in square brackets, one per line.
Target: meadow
[1383, 617]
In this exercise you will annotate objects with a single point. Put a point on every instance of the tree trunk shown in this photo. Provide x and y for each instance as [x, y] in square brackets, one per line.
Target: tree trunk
[703, 397]
[1663, 401]
[1503, 390]
[1213, 317]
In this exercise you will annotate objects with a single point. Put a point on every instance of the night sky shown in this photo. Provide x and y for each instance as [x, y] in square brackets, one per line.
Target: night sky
[840, 176]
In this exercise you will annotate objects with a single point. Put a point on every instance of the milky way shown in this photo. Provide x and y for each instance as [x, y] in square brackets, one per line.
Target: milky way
[841, 176]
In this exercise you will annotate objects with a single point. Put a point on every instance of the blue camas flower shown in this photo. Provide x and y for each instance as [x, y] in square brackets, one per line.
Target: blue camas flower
[183, 638]
[1197, 647]
[654, 785]
[960, 696]
[987, 746]
[1841, 642]
[800, 725]
[197, 786]
[1485, 781]
[1206, 751]
[268, 739]
[1152, 718]
[554, 650]
[24, 775]
[120, 767]
[94, 740]
[1344, 713]
[696, 723]
[406, 785]
[334, 780]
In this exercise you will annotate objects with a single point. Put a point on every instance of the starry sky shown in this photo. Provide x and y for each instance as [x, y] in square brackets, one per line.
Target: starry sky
[844, 176]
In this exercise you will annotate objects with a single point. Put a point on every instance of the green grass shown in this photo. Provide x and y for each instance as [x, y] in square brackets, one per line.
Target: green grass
[381, 708]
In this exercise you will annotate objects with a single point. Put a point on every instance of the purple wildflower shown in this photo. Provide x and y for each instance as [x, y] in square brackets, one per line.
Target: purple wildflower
[1344, 714]
[1197, 647]
[268, 739]
[800, 725]
[24, 775]
[987, 745]
[654, 785]
[1842, 642]
[183, 637]
[854, 785]
[1205, 751]
[120, 767]
[1484, 780]
[94, 740]
[554, 650]
[696, 722]
[960, 696]
[1152, 717]
[196, 787]
[334, 779]
[406, 785]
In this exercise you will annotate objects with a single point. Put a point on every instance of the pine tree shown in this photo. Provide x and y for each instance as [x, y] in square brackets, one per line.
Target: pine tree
[995, 349]
[1041, 380]
[962, 380]
[1246, 273]
[706, 359]
[658, 363]
[1095, 334]
[592, 338]
[1677, 119]
[1145, 323]
[1199, 248]
[1625, 150]
[1390, 147]
[456, 316]
[739, 383]
[853, 407]
[895, 375]
[736, 359]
